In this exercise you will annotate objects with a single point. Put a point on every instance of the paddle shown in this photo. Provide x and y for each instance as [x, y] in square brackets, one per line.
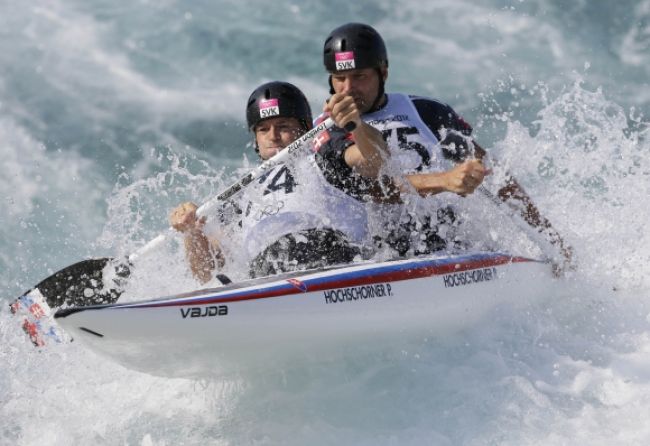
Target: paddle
[83, 284]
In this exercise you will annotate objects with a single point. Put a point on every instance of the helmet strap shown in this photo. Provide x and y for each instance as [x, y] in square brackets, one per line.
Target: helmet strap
[306, 126]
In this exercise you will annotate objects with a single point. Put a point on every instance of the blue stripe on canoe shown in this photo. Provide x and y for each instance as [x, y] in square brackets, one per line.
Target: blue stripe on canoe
[396, 272]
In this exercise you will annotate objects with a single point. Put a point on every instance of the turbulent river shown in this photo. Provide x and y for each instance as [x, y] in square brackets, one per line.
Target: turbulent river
[111, 112]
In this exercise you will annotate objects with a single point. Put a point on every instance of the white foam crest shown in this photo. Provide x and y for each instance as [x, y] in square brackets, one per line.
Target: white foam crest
[64, 394]
[565, 362]
[139, 211]
[50, 199]
[139, 207]
[586, 167]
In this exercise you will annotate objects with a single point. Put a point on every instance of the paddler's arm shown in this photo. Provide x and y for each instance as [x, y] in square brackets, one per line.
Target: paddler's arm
[203, 254]
[463, 179]
[515, 196]
[369, 151]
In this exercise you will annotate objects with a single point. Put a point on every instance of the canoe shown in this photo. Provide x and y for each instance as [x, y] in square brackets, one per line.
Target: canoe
[221, 330]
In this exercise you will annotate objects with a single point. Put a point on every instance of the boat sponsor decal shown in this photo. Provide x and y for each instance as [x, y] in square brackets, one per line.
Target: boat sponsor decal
[269, 108]
[212, 310]
[357, 293]
[299, 284]
[469, 277]
[344, 60]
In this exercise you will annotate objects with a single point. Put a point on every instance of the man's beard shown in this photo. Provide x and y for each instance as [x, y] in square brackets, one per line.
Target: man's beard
[361, 103]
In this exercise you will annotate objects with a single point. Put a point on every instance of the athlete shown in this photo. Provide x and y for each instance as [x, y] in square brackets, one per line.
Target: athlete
[422, 135]
[291, 217]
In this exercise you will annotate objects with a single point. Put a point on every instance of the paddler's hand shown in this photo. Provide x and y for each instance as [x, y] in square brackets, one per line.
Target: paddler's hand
[183, 218]
[343, 111]
[466, 177]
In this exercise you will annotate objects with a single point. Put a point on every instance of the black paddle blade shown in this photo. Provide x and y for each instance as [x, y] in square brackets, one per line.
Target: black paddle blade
[82, 284]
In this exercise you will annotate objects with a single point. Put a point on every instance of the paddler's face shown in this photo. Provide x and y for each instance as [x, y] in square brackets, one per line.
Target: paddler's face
[362, 85]
[274, 134]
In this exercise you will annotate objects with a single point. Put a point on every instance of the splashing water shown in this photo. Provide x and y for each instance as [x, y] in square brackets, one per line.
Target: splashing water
[587, 161]
[111, 113]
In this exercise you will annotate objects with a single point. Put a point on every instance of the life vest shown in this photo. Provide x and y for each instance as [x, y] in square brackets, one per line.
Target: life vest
[413, 146]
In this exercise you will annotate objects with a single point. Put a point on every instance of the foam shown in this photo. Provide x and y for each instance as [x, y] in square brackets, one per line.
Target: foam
[141, 104]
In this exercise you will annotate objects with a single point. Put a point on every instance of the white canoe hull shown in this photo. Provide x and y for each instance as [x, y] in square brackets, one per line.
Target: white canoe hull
[223, 329]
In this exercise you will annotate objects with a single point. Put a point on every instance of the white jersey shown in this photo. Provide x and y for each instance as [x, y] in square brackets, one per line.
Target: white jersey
[292, 198]
[413, 146]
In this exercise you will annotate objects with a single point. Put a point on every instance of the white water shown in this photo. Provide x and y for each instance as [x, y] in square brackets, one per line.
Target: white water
[92, 95]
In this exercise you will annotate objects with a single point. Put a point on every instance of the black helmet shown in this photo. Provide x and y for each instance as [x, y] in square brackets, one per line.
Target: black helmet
[354, 46]
[278, 99]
